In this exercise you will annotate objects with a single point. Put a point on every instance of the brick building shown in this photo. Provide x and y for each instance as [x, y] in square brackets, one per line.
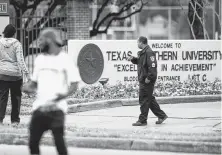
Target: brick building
[78, 21]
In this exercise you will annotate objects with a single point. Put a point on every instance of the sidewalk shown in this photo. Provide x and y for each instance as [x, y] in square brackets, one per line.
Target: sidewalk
[191, 127]
[187, 118]
[194, 117]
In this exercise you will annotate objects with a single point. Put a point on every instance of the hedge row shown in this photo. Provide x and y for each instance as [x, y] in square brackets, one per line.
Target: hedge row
[162, 89]
[130, 90]
[97, 92]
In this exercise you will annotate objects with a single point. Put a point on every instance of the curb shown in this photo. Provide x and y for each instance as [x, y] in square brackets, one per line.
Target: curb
[176, 99]
[74, 108]
[94, 105]
[178, 146]
[123, 144]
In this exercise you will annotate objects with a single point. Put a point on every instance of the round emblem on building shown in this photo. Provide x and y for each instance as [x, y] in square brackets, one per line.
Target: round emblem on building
[91, 63]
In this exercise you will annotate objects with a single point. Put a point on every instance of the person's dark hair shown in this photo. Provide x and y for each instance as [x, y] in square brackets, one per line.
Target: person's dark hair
[9, 31]
[143, 40]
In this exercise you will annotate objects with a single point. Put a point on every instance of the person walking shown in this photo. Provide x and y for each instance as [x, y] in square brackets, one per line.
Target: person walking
[12, 71]
[147, 75]
[54, 78]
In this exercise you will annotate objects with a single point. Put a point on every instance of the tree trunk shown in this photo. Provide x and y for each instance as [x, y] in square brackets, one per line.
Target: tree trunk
[18, 22]
[217, 9]
[197, 25]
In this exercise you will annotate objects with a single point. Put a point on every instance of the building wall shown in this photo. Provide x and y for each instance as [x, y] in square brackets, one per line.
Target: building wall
[78, 13]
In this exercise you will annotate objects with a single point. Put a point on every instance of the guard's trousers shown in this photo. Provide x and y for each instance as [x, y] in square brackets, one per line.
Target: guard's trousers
[147, 101]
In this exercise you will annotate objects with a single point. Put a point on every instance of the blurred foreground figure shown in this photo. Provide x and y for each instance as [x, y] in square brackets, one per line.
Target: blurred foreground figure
[55, 77]
[147, 75]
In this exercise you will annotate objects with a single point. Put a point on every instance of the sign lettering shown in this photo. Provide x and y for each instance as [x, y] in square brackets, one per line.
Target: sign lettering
[3, 8]
[176, 60]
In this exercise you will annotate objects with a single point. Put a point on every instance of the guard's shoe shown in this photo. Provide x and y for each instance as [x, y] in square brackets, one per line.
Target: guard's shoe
[138, 123]
[161, 120]
[15, 124]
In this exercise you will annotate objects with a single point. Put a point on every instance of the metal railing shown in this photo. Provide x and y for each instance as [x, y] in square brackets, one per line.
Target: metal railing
[29, 27]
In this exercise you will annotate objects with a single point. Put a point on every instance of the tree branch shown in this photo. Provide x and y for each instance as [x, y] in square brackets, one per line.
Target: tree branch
[218, 17]
[15, 4]
[202, 22]
[25, 3]
[116, 16]
[97, 31]
[113, 14]
[37, 27]
[190, 24]
[204, 4]
[132, 13]
[35, 4]
[194, 13]
[100, 12]
[30, 17]
[215, 12]
[52, 6]
[191, 28]
[42, 20]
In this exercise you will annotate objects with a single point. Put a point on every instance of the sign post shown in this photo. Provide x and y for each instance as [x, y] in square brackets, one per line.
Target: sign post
[4, 15]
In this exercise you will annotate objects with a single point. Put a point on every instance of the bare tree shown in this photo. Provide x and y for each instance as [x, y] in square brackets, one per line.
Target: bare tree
[196, 18]
[126, 9]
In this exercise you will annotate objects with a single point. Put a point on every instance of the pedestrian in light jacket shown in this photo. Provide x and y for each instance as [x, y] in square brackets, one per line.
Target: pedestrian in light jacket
[12, 69]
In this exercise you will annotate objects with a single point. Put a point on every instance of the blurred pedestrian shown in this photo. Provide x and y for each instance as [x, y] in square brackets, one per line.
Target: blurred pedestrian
[147, 75]
[12, 70]
[55, 77]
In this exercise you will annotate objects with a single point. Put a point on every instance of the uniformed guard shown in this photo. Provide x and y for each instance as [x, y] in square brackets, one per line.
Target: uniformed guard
[147, 75]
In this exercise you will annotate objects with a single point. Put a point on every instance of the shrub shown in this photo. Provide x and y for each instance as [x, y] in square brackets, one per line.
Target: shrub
[168, 88]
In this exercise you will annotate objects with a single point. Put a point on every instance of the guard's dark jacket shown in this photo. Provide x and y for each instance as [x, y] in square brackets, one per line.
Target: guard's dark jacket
[146, 65]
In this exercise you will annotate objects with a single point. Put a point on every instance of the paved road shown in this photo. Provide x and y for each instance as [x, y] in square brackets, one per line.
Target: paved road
[188, 117]
[45, 150]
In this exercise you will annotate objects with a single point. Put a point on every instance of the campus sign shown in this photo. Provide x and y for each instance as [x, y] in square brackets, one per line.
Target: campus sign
[4, 14]
[3, 7]
[177, 59]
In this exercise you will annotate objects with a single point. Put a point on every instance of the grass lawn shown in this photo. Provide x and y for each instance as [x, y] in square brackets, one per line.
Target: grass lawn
[72, 131]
